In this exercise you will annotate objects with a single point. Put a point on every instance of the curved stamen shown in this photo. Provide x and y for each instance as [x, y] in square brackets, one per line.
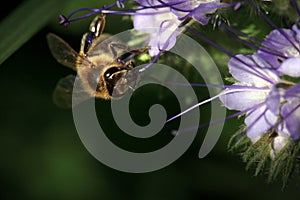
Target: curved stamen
[218, 86]
[224, 92]
[221, 119]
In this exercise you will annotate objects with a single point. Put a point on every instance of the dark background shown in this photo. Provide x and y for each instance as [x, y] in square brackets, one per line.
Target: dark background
[42, 156]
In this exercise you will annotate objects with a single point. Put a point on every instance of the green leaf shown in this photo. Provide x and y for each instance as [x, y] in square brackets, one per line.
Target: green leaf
[26, 20]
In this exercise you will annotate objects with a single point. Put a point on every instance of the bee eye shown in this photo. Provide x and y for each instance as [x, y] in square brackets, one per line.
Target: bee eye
[108, 74]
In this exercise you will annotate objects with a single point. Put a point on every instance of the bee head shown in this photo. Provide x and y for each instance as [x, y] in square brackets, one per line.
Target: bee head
[118, 79]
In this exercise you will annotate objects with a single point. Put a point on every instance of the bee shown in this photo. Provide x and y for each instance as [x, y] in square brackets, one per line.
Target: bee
[101, 72]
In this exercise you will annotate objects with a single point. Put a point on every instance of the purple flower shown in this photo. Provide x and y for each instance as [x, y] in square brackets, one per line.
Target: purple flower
[271, 100]
[255, 84]
[197, 9]
[268, 93]
[162, 18]
[283, 44]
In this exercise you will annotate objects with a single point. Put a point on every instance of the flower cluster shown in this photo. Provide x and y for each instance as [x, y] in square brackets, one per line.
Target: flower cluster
[266, 90]
[269, 94]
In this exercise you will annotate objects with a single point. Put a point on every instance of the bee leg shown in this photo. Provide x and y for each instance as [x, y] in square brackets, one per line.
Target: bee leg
[96, 29]
[125, 48]
[97, 25]
[139, 51]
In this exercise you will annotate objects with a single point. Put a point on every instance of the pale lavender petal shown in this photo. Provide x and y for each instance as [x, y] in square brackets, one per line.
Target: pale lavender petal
[297, 32]
[293, 92]
[248, 69]
[184, 6]
[148, 2]
[278, 46]
[290, 112]
[290, 67]
[273, 100]
[241, 100]
[259, 121]
[198, 10]
[279, 43]
[273, 60]
[200, 13]
[162, 41]
[150, 23]
[162, 26]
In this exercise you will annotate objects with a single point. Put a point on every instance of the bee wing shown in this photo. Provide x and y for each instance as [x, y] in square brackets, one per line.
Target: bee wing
[62, 51]
[64, 92]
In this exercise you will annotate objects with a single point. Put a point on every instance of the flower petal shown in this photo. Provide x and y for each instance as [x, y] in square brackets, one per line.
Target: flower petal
[296, 32]
[290, 67]
[162, 26]
[273, 100]
[293, 92]
[198, 10]
[259, 121]
[147, 3]
[290, 112]
[250, 69]
[200, 13]
[241, 100]
[279, 45]
[162, 41]
[279, 42]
